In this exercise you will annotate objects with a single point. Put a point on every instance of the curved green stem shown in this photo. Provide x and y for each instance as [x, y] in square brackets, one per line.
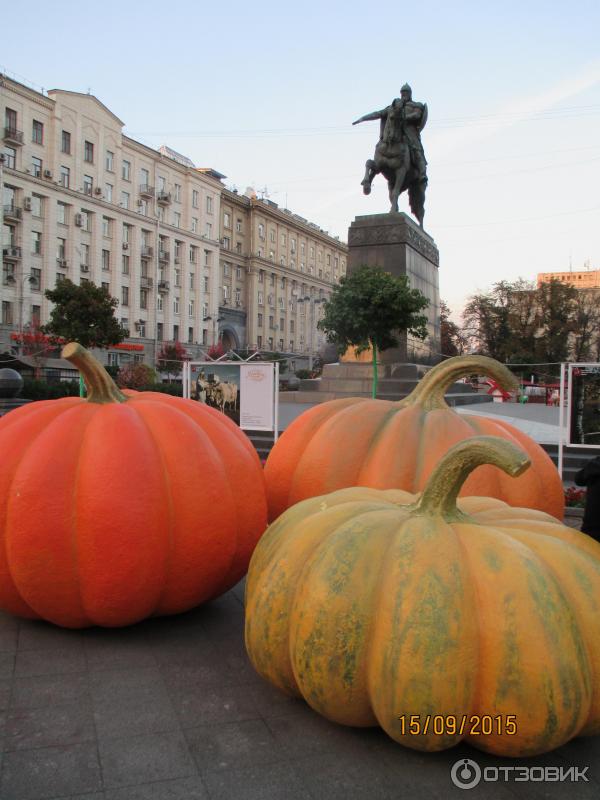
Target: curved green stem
[441, 492]
[99, 385]
[431, 389]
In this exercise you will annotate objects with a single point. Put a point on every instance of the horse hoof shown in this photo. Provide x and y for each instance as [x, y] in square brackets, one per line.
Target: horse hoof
[366, 188]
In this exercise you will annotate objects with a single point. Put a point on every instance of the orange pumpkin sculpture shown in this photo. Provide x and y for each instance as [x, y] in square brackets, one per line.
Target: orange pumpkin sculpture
[122, 505]
[438, 621]
[385, 445]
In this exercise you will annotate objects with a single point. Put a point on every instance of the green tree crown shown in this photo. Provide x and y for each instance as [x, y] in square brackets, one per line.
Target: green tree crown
[83, 314]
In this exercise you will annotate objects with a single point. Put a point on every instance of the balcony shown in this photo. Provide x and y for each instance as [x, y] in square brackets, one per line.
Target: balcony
[146, 251]
[12, 213]
[163, 198]
[11, 253]
[164, 256]
[164, 286]
[146, 191]
[146, 283]
[13, 136]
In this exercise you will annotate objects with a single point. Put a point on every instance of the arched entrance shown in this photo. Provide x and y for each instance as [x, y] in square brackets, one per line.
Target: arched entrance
[228, 339]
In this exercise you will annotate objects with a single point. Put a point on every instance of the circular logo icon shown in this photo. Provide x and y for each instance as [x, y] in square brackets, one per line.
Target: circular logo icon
[465, 773]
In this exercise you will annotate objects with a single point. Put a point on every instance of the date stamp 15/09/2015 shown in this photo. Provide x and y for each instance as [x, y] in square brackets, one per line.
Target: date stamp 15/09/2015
[462, 724]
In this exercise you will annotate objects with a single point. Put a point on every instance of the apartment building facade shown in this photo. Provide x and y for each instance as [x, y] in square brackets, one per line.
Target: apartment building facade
[187, 259]
[83, 201]
[579, 279]
[277, 270]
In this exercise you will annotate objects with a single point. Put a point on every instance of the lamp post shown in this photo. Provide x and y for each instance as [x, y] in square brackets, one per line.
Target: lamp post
[28, 277]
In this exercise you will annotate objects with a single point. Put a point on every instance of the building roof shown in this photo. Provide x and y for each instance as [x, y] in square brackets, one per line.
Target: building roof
[91, 97]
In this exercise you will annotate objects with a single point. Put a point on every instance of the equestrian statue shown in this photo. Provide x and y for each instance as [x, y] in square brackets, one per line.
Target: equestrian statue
[399, 154]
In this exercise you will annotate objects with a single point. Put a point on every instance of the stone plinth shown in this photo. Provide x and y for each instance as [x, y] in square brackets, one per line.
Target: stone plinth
[399, 246]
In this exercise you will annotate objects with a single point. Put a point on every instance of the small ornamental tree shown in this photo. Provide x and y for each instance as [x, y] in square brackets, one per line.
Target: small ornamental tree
[170, 358]
[216, 351]
[369, 308]
[136, 376]
[83, 314]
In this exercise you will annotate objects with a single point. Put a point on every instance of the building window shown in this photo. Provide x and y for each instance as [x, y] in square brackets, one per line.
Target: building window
[238, 247]
[36, 205]
[36, 314]
[61, 214]
[143, 298]
[8, 274]
[7, 313]
[238, 273]
[208, 230]
[141, 328]
[192, 254]
[261, 276]
[206, 283]
[65, 177]
[260, 320]
[37, 133]
[261, 299]
[190, 336]
[162, 184]
[125, 295]
[177, 192]
[226, 243]
[209, 204]
[191, 280]
[261, 231]
[106, 260]
[106, 287]
[191, 308]
[36, 279]
[194, 198]
[204, 310]
[86, 219]
[88, 152]
[125, 265]
[125, 199]
[194, 224]
[36, 243]
[225, 293]
[106, 227]
[177, 277]
[36, 167]
[259, 341]
[10, 120]
[110, 161]
[207, 258]
[61, 246]
[291, 326]
[177, 219]
[159, 307]
[238, 225]
[271, 322]
[226, 270]
[175, 333]
[204, 336]
[10, 157]
[226, 220]
[85, 255]
[88, 184]
[108, 191]
[176, 305]
[126, 170]
[65, 143]
[238, 296]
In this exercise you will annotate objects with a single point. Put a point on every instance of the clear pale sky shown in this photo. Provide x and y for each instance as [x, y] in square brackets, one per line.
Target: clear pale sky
[266, 93]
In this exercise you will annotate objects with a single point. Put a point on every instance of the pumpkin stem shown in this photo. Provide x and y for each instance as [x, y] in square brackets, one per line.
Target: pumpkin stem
[430, 391]
[99, 385]
[441, 492]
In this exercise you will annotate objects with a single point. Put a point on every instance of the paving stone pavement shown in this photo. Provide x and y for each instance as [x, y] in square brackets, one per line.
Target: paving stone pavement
[170, 709]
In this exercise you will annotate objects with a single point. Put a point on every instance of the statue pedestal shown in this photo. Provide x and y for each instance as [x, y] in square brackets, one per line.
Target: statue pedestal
[399, 246]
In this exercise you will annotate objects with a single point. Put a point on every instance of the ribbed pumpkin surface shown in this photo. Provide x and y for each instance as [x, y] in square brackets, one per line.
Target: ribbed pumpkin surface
[111, 512]
[374, 610]
[389, 445]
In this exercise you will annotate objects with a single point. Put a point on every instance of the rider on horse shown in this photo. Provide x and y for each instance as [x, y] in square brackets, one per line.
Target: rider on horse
[401, 126]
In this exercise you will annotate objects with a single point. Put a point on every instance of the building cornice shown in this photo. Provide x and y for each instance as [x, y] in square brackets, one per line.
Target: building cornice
[292, 220]
[91, 97]
[144, 149]
[26, 92]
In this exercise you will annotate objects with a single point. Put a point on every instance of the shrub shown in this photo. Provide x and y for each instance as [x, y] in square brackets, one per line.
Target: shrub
[40, 390]
[303, 374]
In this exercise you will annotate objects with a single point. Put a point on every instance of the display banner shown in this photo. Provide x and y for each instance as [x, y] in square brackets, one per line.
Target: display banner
[245, 391]
[584, 405]
[256, 397]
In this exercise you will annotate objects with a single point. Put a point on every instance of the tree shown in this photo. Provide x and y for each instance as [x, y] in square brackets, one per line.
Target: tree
[83, 314]
[136, 376]
[170, 358]
[453, 341]
[556, 302]
[369, 308]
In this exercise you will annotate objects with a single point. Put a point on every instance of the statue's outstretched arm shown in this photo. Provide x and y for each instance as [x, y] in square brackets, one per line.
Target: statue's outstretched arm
[372, 115]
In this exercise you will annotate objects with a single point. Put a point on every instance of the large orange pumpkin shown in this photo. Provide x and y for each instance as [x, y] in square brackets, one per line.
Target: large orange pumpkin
[436, 620]
[122, 505]
[386, 445]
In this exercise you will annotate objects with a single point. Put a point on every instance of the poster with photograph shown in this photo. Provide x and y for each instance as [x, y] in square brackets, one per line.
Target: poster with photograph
[584, 405]
[218, 385]
[257, 396]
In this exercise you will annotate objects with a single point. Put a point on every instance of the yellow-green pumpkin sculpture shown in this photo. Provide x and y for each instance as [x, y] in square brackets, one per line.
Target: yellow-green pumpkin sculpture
[376, 606]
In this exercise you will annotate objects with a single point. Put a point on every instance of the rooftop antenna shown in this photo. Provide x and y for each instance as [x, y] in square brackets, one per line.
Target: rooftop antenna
[264, 192]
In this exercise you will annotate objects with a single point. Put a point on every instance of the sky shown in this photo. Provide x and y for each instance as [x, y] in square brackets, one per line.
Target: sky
[266, 94]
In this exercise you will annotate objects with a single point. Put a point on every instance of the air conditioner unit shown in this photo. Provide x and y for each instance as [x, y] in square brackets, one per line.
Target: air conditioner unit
[125, 246]
[47, 173]
[27, 203]
[85, 268]
[61, 262]
[79, 220]
[97, 190]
